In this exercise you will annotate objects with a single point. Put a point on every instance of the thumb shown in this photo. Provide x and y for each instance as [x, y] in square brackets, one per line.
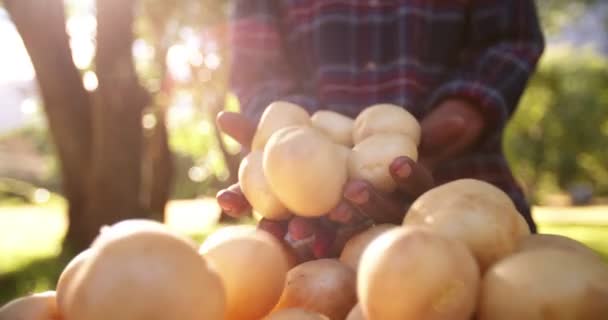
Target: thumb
[236, 126]
[439, 131]
[449, 130]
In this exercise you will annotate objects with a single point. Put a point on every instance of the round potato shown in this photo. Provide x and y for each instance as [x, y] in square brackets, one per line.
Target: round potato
[546, 241]
[144, 274]
[257, 190]
[39, 306]
[474, 212]
[354, 248]
[385, 118]
[371, 158]
[253, 267]
[336, 126]
[412, 273]
[325, 286]
[545, 284]
[295, 314]
[305, 170]
[278, 115]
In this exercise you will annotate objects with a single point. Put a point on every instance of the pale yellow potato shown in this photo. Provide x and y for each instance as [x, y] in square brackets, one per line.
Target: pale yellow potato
[356, 313]
[149, 274]
[295, 314]
[305, 170]
[385, 118]
[545, 284]
[125, 227]
[68, 274]
[336, 126]
[39, 306]
[325, 286]
[555, 241]
[412, 273]
[253, 267]
[474, 212]
[371, 158]
[278, 115]
[353, 250]
[256, 189]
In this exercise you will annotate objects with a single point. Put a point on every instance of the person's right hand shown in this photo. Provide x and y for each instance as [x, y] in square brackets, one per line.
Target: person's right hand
[349, 217]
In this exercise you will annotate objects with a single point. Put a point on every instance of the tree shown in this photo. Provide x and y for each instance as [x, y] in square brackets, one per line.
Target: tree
[98, 136]
[112, 168]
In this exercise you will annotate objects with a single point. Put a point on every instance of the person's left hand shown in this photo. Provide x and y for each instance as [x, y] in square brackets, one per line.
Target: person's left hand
[451, 129]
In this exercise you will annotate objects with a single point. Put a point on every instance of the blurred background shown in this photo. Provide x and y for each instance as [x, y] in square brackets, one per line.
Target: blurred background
[107, 109]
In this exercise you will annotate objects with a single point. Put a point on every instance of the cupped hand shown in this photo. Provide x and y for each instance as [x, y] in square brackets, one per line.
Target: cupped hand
[453, 127]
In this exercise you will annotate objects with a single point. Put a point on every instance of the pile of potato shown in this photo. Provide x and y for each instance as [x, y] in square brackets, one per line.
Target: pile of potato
[299, 164]
[462, 252]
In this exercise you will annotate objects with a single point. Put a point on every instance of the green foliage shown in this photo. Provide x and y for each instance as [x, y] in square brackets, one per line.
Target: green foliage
[559, 134]
[555, 14]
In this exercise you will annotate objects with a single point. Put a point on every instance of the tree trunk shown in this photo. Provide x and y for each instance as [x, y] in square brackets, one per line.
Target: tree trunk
[114, 191]
[158, 167]
[41, 24]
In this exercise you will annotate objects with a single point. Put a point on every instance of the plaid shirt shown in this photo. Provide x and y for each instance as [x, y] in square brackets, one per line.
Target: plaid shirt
[344, 55]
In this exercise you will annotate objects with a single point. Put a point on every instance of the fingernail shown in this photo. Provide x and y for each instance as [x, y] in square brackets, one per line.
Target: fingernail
[401, 167]
[341, 214]
[357, 193]
[321, 247]
[301, 228]
[275, 228]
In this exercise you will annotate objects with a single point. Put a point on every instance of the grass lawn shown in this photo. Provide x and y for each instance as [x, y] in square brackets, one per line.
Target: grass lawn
[30, 237]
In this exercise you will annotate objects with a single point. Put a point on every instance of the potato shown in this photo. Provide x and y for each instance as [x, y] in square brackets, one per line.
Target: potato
[68, 274]
[39, 306]
[385, 118]
[370, 159]
[545, 284]
[148, 274]
[353, 250]
[325, 286]
[411, 273]
[337, 127]
[125, 227]
[475, 212]
[546, 241]
[257, 190]
[278, 115]
[356, 313]
[253, 267]
[305, 170]
[295, 314]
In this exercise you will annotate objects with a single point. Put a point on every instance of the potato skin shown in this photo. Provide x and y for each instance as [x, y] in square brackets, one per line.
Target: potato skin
[474, 212]
[305, 170]
[336, 126]
[386, 118]
[278, 115]
[256, 189]
[436, 275]
[370, 159]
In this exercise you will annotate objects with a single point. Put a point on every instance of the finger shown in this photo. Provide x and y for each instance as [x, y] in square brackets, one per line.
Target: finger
[381, 208]
[233, 201]
[237, 126]
[439, 131]
[412, 178]
[323, 243]
[276, 228]
[300, 228]
[345, 232]
[343, 213]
